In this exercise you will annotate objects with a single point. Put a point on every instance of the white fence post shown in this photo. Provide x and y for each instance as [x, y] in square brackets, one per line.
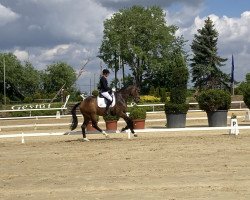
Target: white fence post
[247, 116]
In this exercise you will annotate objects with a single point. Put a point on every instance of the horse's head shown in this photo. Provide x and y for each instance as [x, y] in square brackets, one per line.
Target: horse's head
[130, 91]
[135, 93]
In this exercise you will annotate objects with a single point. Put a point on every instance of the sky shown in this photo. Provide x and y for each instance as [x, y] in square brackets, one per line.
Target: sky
[47, 31]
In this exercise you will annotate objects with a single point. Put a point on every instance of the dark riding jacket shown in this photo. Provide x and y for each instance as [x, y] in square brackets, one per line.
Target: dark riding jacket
[103, 86]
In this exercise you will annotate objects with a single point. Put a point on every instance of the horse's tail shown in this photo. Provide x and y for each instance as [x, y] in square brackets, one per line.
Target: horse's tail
[74, 117]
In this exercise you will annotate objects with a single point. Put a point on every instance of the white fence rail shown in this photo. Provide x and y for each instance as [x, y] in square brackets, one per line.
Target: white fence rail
[63, 108]
[149, 130]
[240, 103]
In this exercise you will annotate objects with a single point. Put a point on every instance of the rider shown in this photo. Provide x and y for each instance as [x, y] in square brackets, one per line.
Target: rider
[104, 89]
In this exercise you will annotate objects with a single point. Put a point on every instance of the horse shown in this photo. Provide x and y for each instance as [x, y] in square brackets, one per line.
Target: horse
[90, 110]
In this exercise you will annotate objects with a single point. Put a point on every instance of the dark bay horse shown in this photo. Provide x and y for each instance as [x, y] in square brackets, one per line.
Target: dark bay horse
[90, 110]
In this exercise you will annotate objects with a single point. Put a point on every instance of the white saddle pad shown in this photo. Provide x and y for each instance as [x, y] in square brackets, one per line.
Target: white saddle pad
[102, 104]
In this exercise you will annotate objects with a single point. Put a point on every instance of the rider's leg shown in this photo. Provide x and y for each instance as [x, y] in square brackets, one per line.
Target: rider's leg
[109, 101]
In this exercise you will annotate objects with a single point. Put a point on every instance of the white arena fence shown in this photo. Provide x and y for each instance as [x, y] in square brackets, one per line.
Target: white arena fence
[35, 125]
[63, 108]
[148, 130]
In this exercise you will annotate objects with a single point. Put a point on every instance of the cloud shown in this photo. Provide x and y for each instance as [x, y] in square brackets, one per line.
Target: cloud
[72, 53]
[21, 55]
[47, 31]
[7, 15]
[118, 4]
[233, 39]
[49, 23]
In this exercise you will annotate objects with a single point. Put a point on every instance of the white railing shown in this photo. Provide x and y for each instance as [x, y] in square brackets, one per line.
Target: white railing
[30, 108]
[193, 103]
[144, 105]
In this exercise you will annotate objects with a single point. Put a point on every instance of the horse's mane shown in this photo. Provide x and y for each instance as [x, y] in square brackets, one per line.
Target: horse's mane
[124, 88]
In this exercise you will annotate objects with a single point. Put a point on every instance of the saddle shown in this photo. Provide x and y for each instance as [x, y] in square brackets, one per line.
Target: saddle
[101, 101]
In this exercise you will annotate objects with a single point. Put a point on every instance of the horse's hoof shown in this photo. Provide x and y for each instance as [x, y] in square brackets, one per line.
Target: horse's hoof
[135, 135]
[105, 134]
[86, 140]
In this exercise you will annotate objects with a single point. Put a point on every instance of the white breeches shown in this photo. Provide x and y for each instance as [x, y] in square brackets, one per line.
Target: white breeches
[107, 95]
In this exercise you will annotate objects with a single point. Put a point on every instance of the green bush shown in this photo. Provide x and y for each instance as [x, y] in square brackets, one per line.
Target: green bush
[246, 96]
[110, 117]
[173, 108]
[28, 100]
[214, 99]
[149, 99]
[95, 93]
[137, 112]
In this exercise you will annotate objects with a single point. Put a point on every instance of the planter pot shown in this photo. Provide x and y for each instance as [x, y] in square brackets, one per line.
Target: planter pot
[176, 120]
[90, 127]
[217, 118]
[111, 125]
[139, 123]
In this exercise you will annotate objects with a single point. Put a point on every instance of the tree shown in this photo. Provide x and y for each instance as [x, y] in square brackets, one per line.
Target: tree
[141, 39]
[179, 79]
[56, 75]
[205, 64]
[31, 77]
[13, 76]
[243, 85]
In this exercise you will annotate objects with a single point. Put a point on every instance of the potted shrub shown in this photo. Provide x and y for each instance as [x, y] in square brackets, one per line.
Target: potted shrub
[176, 108]
[111, 122]
[176, 114]
[90, 127]
[216, 104]
[138, 115]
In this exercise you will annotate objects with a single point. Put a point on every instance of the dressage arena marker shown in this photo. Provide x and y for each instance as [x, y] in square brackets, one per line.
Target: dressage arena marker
[234, 127]
[23, 138]
[58, 116]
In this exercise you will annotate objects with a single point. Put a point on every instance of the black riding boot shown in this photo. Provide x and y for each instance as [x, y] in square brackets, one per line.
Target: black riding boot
[107, 111]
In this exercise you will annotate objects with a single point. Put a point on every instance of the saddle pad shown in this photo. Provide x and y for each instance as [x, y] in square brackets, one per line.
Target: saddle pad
[102, 104]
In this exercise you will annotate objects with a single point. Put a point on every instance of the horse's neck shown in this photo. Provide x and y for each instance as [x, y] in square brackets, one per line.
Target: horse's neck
[124, 95]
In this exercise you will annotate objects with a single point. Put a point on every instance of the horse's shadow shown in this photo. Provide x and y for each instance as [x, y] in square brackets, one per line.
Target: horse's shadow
[96, 140]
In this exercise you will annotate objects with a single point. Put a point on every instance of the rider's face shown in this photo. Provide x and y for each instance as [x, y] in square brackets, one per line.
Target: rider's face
[106, 75]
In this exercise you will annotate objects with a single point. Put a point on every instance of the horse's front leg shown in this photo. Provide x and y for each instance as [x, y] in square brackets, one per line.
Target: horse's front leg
[129, 123]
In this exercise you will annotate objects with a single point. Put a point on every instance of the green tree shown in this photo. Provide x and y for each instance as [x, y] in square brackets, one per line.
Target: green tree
[13, 76]
[31, 80]
[205, 64]
[152, 90]
[56, 75]
[140, 38]
[179, 79]
[244, 85]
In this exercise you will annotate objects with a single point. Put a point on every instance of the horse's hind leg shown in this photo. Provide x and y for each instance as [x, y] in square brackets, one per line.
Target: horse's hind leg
[84, 125]
[94, 124]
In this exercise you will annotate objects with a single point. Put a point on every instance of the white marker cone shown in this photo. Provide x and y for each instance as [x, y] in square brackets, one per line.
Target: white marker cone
[23, 138]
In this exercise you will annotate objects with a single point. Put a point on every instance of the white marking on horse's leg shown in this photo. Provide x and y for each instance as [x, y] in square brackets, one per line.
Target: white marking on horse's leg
[105, 134]
[86, 140]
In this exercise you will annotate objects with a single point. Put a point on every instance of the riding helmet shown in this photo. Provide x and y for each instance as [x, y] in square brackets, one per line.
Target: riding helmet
[105, 71]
